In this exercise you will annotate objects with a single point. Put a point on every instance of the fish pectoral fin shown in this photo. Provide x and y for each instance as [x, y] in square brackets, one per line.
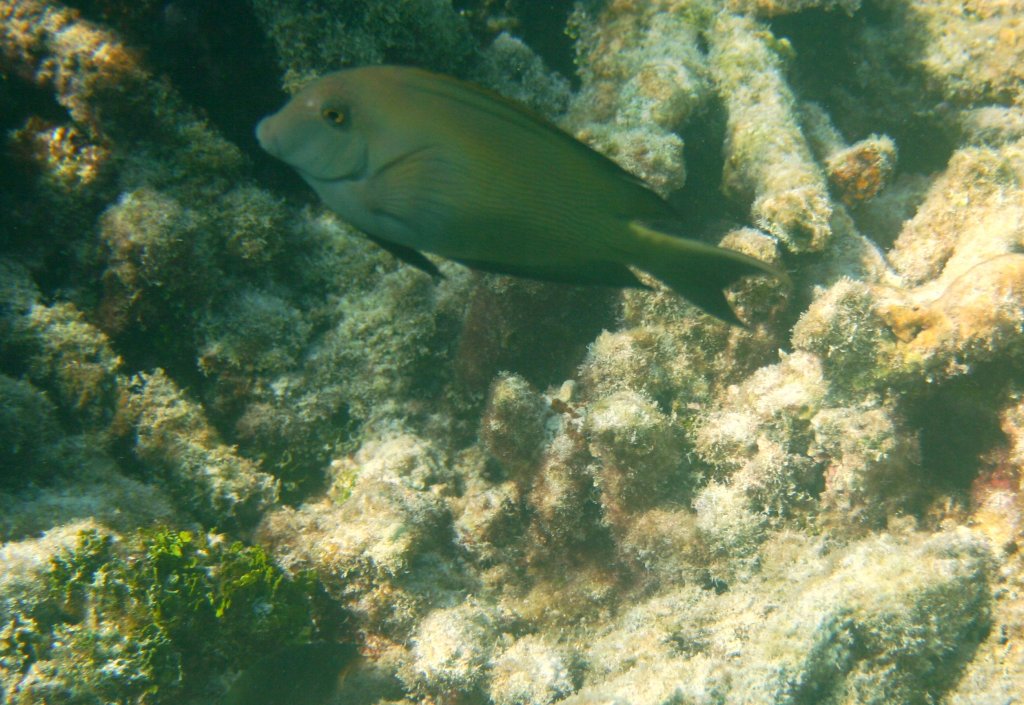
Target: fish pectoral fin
[411, 188]
[409, 256]
[594, 273]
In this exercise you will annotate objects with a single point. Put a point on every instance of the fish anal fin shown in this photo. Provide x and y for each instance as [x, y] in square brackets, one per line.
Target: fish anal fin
[711, 300]
[409, 256]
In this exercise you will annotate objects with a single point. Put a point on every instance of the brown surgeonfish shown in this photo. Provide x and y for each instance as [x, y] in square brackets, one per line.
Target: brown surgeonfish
[422, 162]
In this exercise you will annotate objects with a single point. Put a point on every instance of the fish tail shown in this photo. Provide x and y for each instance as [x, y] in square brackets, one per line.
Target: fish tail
[696, 271]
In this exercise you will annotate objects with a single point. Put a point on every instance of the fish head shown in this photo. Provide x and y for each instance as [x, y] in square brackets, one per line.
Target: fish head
[318, 132]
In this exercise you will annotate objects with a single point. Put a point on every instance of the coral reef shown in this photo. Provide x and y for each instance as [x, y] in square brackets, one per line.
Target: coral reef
[229, 424]
[971, 59]
[671, 648]
[531, 670]
[768, 160]
[326, 35]
[641, 82]
[103, 617]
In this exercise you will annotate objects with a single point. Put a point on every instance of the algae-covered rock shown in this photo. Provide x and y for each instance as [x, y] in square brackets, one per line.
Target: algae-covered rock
[372, 542]
[760, 434]
[452, 648]
[846, 625]
[94, 616]
[507, 491]
[326, 35]
[530, 671]
[824, 635]
[28, 425]
[643, 79]
[175, 439]
[513, 427]
[768, 159]
[639, 451]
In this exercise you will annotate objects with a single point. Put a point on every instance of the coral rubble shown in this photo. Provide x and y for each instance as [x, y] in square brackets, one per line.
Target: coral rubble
[230, 424]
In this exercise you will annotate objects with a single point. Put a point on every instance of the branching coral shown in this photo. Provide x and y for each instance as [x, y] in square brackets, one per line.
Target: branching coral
[768, 160]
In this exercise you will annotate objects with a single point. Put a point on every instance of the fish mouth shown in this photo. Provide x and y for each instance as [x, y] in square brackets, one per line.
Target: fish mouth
[313, 161]
[265, 136]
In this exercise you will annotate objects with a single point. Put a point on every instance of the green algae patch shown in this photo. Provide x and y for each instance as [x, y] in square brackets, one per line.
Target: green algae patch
[160, 615]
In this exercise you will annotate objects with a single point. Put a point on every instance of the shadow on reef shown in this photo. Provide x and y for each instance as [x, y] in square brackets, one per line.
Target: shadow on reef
[541, 24]
[539, 330]
[959, 421]
[19, 100]
[214, 52]
[704, 210]
[842, 62]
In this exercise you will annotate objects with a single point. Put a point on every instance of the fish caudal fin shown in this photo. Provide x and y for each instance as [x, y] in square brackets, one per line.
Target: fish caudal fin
[696, 271]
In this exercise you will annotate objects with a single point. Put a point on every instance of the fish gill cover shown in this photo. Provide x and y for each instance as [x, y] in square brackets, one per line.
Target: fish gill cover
[233, 429]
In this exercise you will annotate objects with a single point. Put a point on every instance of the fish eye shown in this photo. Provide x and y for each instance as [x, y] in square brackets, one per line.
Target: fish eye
[333, 115]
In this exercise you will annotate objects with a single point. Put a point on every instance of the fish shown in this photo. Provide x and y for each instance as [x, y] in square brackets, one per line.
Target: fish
[422, 162]
[304, 674]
